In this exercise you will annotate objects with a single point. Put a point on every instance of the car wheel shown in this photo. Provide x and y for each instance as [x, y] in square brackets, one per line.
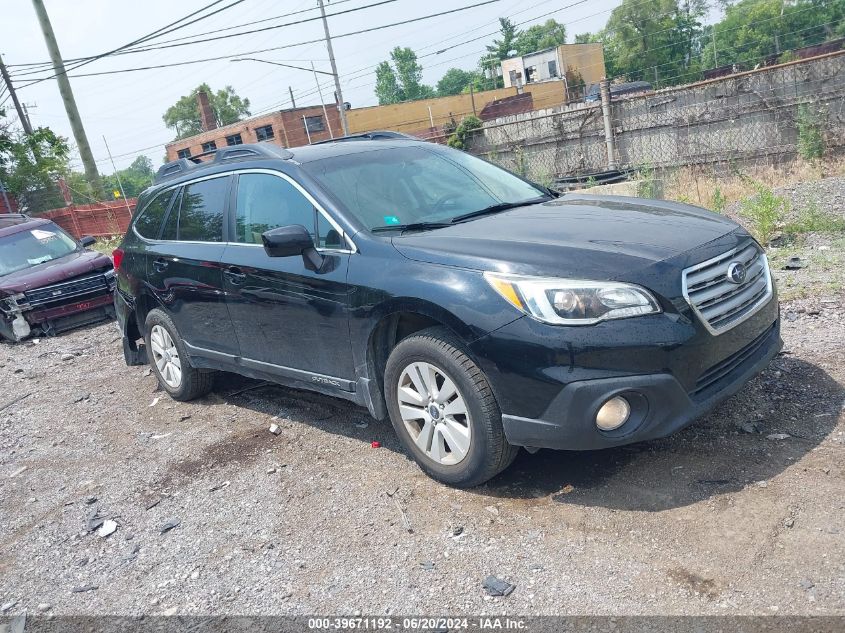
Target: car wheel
[443, 410]
[169, 360]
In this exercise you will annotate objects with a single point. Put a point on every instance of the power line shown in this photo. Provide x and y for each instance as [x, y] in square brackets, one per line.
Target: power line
[166, 44]
[161, 31]
[208, 59]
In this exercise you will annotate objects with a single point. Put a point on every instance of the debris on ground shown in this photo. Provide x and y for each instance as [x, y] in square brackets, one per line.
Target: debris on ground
[497, 587]
[275, 429]
[172, 523]
[108, 528]
[749, 427]
[793, 263]
[778, 436]
[95, 520]
[84, 588]
[17, 472]
[219, 487]
[427, 565]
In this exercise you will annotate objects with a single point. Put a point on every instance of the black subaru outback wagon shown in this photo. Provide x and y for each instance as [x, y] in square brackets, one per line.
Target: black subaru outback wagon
[479, 311]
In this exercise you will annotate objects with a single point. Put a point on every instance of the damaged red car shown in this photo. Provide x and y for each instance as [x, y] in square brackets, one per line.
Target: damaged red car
[49, 282]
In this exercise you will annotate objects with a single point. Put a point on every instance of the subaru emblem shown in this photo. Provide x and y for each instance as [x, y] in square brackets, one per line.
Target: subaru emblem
[736, 272]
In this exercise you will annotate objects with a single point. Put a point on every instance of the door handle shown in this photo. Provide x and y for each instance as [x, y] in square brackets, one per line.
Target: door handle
[234, 275]
[160, 265]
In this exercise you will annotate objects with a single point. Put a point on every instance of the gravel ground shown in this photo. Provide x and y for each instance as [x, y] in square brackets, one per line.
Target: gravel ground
[741, 513]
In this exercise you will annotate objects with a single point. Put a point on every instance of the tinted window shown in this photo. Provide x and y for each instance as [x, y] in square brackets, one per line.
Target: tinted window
[149, 222]
[171, 223]
[42, 244]
[266, 202]
[201, 211]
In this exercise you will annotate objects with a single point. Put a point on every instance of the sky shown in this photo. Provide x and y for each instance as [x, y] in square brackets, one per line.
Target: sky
[126, 108]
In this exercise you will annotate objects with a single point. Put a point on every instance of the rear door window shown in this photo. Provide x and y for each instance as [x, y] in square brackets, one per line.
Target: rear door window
[148, 224]
[201, 210]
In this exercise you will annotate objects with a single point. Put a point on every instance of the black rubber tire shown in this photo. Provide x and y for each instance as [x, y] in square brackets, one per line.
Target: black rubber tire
[489, 452]
[195, 382]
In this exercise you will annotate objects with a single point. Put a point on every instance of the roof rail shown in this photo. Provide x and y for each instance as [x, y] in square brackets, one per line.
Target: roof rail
[374, 135]
[224, 155]
[24, 216]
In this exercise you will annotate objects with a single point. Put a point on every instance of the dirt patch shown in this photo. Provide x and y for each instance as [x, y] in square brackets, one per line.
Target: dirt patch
[698, 585]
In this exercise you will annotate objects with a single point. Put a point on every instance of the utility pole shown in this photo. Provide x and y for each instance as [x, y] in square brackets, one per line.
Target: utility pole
[715, 53]
[340, 103]
[21, 114]
[292, 102]
[322, 103]
[75, 120]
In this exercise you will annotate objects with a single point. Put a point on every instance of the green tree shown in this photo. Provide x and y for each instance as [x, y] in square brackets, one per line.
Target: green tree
[752, 30]
[502, 47]
[401, 81]
[30, 166]
[455, 81]
[135, 178]
[654, 41]
[540, 37]
[184, 115]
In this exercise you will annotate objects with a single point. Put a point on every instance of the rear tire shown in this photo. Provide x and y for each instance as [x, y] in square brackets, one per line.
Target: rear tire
[169, 360]
[444, 411]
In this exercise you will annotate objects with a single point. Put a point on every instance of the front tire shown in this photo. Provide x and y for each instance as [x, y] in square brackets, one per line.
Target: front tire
[169, 360]
[443, 410]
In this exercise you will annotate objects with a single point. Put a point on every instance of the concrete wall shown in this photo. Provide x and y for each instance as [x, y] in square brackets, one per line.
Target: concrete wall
[745, 117]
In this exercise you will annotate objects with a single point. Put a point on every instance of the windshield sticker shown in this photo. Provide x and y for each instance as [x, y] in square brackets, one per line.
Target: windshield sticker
[43, 236]
[391, 219]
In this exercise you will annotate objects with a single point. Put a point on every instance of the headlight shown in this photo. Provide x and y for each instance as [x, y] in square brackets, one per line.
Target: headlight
[573, 301]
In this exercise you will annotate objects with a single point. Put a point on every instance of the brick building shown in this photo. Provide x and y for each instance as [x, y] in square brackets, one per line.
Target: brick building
[287, 128]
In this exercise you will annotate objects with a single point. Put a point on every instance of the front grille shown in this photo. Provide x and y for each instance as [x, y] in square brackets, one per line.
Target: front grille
[58, 294]
[720, 303]
[722, 370]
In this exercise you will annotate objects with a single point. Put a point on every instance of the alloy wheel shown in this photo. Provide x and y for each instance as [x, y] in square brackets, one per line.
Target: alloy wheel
[166, 357]
[435, 413]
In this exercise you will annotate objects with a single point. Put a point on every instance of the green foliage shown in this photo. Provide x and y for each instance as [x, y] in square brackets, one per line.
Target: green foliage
[403, 80]
[455, 81]
[465, 129]
[719, 201]
[765, 211]
[752, 30]
[538, 37]
[813, 220]
[810, 134]
[655, 41]
[184, 115]
[135, 178]
[30, 166]
[501, 48]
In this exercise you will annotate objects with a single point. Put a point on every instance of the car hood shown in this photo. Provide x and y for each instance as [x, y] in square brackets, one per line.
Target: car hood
[55, 271]
[579, 236]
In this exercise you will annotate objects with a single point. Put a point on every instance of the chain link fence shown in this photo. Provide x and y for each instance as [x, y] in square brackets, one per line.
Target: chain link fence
[760, 117]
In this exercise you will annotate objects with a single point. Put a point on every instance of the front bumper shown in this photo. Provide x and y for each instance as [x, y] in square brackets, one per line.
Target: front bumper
[550, 382]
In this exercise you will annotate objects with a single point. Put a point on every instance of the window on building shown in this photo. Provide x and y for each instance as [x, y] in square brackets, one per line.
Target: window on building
[234, 139]
[530, 74]
[148, 223]
[314, 123]
[553, 68]
[207, 147]
[266, 202]
[201, 211]
[184, 153]
[265, 133]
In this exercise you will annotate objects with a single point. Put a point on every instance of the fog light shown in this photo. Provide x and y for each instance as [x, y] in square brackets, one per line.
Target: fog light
[613, 414]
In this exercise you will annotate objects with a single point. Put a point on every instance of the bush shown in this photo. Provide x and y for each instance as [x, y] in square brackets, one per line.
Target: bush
[810, 135]
[814, 220]
[765, 211]
[464, 131]
[719, 201]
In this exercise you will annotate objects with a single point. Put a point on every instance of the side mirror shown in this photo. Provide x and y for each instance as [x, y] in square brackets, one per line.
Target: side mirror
[292, 240]
[287, 241]
[87, 241]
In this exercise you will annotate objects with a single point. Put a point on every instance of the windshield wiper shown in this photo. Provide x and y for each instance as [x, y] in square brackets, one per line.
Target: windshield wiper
[413, 226]
[497, 208]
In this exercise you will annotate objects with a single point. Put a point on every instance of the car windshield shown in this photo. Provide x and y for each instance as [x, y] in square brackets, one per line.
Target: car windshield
[36, 246]
[402, 186]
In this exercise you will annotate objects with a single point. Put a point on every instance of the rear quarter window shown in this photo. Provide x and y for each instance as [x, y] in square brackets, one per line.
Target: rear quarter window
[148, 223]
